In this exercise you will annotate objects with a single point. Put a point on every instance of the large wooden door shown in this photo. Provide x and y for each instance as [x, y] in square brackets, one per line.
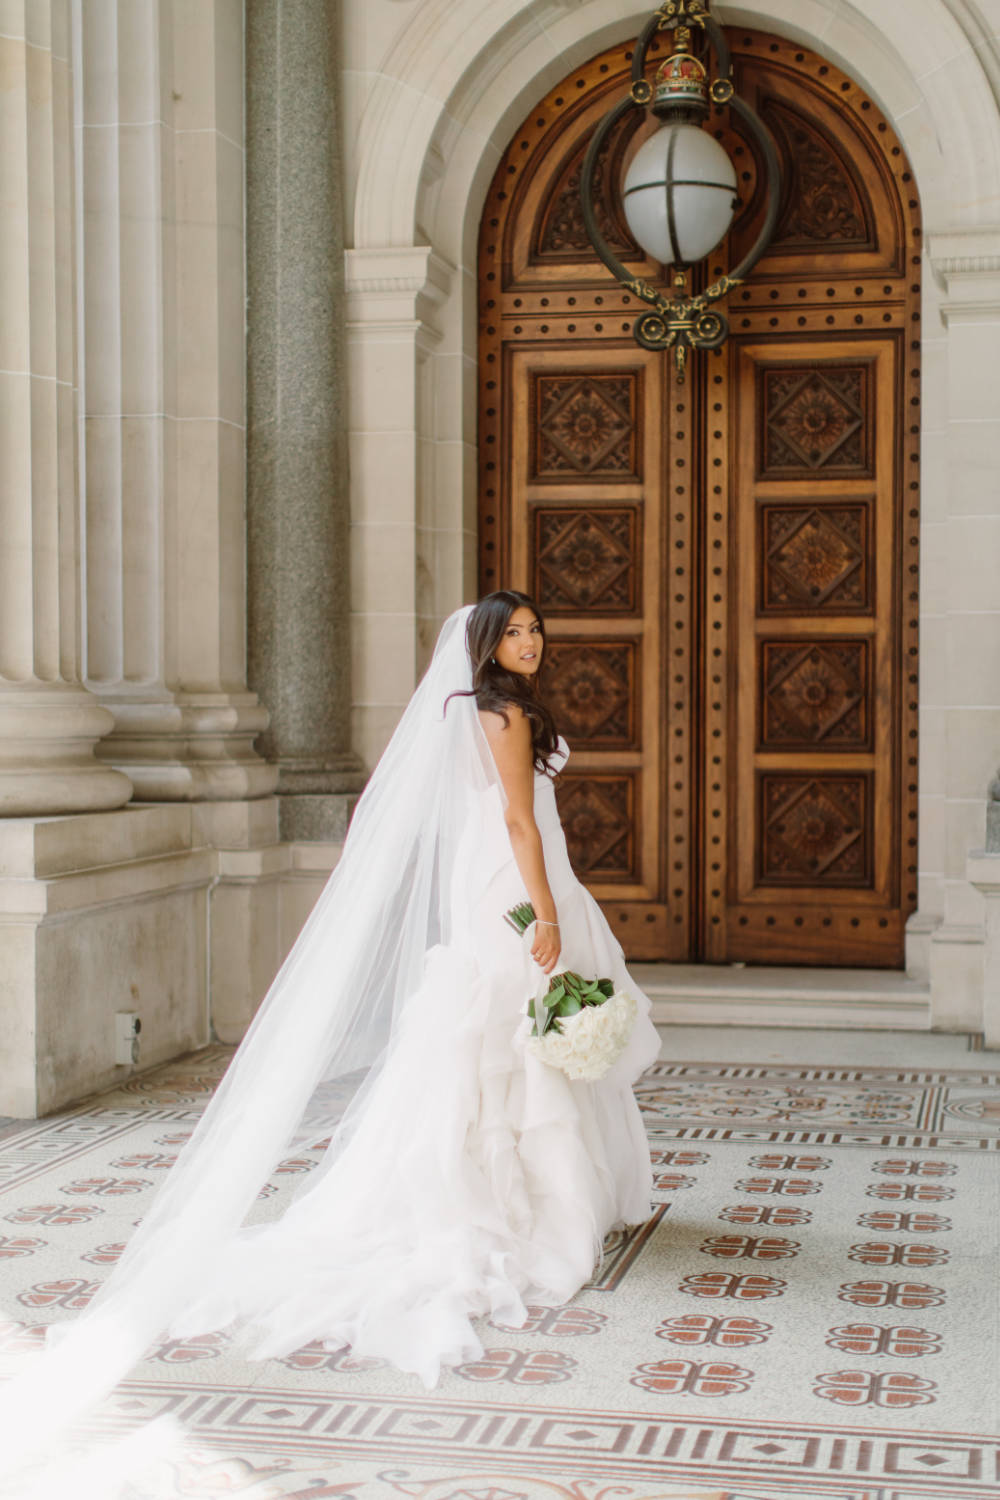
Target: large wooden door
[728, 568]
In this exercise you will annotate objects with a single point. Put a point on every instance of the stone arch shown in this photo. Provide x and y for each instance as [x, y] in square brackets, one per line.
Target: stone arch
[461, 76]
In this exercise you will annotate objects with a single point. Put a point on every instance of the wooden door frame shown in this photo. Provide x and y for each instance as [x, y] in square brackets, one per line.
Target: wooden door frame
[827, 301]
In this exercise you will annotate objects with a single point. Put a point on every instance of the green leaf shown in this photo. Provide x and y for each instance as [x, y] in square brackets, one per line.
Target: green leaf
[606, 987]
[570, 1006]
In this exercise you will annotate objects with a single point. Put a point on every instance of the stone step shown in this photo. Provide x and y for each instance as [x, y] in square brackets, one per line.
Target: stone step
[737, 995]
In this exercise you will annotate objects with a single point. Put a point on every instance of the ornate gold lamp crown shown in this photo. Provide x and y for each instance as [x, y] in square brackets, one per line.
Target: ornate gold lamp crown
[680, 187]
[682, 78]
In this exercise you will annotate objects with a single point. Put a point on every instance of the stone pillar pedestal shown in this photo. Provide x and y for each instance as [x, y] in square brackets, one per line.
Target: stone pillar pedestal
[49, 723]
[297, 493]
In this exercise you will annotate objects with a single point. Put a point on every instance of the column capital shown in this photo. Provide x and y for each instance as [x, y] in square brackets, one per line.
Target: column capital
[396, 289]
[966, 264]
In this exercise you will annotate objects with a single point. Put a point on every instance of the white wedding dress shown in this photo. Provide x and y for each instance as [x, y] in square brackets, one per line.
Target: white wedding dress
[477, 1178]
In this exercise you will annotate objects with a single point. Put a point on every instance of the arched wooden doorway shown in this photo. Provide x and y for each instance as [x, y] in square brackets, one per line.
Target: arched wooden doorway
[729, 567]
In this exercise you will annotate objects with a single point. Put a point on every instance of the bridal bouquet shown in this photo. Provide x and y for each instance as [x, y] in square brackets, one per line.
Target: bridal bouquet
[579, 1025]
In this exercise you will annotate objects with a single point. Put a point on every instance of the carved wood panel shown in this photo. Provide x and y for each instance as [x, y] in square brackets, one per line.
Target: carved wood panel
[815, 693]
[816, 555]
[585, 425]
[587, 558]
[594, 689]
[729, 569]
[598, 813]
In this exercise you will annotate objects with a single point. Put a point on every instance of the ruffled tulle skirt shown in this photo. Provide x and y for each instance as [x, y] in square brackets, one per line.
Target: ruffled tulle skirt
[474, 1179]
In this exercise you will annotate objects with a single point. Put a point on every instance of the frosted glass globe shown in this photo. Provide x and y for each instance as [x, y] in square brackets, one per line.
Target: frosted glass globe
[685, 165]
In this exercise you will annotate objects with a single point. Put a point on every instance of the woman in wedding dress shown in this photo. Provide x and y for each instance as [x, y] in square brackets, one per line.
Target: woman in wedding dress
[479, 1178]
[466, 1178]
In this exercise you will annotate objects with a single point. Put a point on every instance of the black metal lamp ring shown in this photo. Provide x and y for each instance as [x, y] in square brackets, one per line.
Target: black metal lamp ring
[682, 323]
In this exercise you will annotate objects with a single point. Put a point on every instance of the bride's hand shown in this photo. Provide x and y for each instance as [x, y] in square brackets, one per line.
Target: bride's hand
[546, 946]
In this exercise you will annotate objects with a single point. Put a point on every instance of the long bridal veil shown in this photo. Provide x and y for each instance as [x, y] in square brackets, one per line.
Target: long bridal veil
[425, 838]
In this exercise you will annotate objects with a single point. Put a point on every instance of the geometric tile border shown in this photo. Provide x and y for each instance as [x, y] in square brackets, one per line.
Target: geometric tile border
[523, 1439]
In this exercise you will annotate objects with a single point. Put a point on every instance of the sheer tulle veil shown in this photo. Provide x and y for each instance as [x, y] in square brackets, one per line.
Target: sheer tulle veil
[422, 845]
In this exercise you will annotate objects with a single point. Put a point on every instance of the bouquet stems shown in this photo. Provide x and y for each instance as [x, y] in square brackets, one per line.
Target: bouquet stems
[567, 993]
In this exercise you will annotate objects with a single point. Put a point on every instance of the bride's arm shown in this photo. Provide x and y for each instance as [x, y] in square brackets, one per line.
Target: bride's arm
[512, 751]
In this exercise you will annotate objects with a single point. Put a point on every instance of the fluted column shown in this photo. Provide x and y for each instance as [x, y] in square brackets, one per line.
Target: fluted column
[297, 493]
[49, 723]
[162, 193]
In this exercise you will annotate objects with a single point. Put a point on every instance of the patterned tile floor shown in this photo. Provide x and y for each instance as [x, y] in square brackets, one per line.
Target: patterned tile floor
[812, 1311]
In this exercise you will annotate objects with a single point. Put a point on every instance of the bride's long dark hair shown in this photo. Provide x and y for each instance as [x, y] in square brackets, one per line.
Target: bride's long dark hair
[496, 689]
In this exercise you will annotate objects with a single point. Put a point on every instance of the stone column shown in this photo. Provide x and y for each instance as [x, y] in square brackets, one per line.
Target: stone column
[162, 197]
[297, 493]
[49, 723]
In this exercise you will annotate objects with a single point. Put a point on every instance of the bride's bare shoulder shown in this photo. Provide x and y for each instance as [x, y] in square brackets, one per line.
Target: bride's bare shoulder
[510, 724]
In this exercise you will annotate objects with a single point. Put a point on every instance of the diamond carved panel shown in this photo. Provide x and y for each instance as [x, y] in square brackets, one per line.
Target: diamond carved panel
[591, 688]
[598, 815]
[586, 560]
[815, 830]
[586, 425]
[815, 420]
[815, 693]
[816, 557]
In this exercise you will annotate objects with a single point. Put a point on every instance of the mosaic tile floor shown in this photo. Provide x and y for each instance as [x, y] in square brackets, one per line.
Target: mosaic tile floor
[812, 1310]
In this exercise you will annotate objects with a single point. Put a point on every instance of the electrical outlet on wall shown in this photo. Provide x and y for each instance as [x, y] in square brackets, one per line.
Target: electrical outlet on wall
[127, 1028]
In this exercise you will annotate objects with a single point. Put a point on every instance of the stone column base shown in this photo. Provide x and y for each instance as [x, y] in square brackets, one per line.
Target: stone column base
[48, 735]
[191, 748]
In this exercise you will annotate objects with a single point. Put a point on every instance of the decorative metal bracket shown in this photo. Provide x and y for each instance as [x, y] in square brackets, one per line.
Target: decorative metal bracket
[682, 323]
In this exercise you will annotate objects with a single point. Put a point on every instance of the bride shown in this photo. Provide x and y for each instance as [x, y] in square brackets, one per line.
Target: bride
[465, 1178]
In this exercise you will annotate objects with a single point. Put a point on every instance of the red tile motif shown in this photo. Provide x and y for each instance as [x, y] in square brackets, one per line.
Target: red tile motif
[911, 1192]
[775, 1162]
[314, 1357]
[105, 1255]
[873, 1338]
[892, 1294]
[672, 1182]
[682, 1377]
[144, 1162]
[558, 1322]
[54, 1214]
[885, 1253]
[898, 1167]
[21, 1338]
[862, 1388]
[891, 1223]
[790, 1187]
[107, 1187]
[766, 1213]
[519, 1367]
[679, 1158]
[719, 1284]
[190, 1351]
[726, 1333]
[73, 1293]
[748, 1247]
[12, 1248]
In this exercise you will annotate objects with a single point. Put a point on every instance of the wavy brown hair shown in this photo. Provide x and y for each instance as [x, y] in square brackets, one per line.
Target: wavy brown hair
[497, 690]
